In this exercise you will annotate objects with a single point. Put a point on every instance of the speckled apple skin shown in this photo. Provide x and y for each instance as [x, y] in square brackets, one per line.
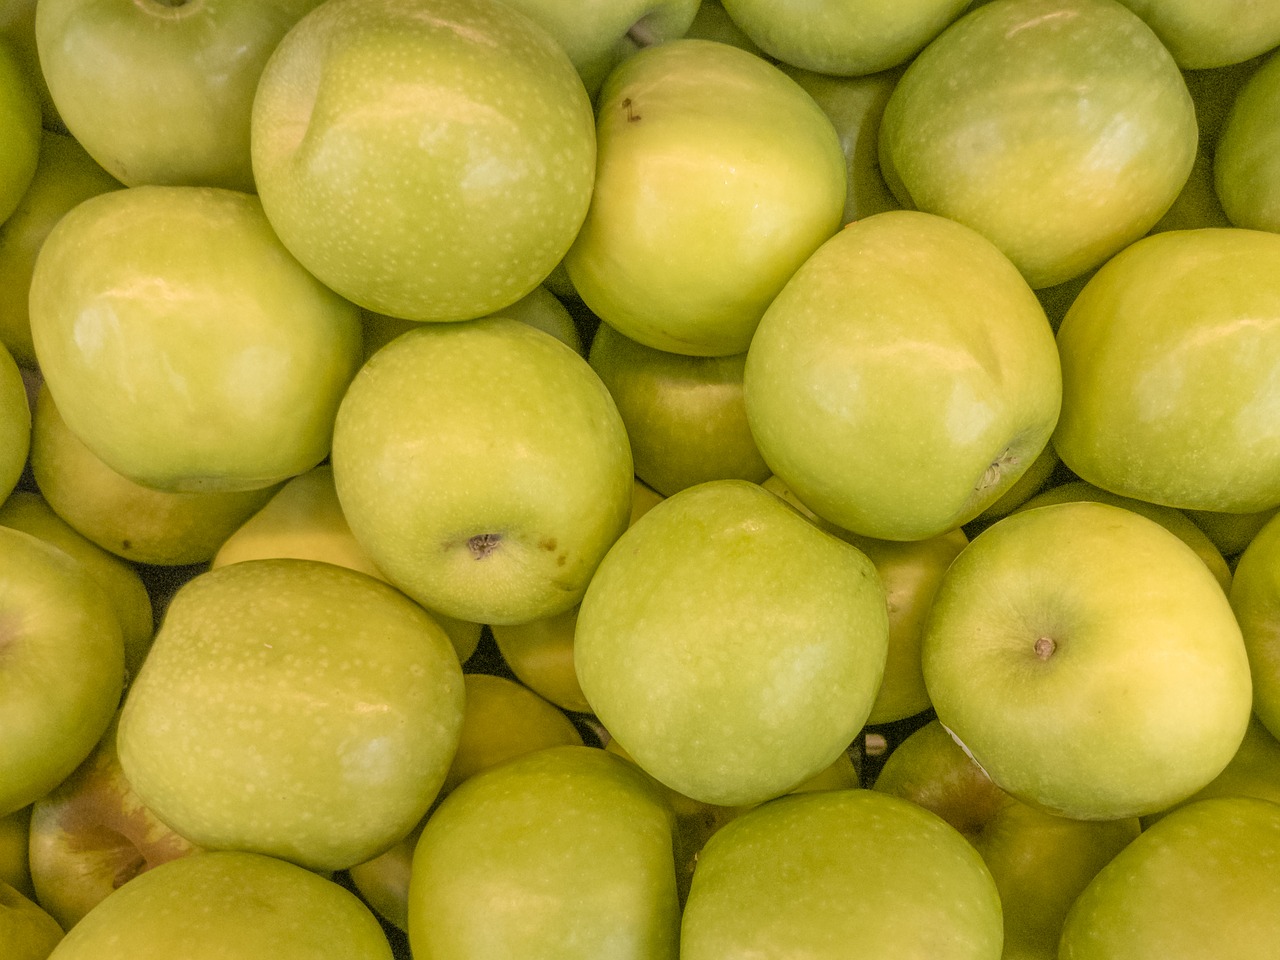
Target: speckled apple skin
[428, 160]
[293, 708]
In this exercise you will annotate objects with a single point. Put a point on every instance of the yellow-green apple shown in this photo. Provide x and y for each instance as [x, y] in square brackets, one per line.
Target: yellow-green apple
[685, 415]
[183, 343]
[15, 424]
[124, 517]
[91, 834]
[335, 735]
[1231, 533]
[1255, 598]
[1246, 173]
[1203, 34]
[502, 720]
[1202, 882]
[62, 666]
[505, 530]
[29, 512]
[904, 378]
[304, 520]
[1040, 862]
[19, 129]
[561, 854]
[731, 647]
[1088, 660]
[27, 931]
[843, 39]
[228, 904]
[1169, 387]
[160, 91]
[1060, 129]
[430, 159]
[717, 176]
[822, 874]
[64, 176]
[15, 870]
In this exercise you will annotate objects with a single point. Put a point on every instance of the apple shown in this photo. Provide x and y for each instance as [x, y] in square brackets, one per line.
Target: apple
[506, 530]
[431, 160]
[14, 868]
[1059, 129]
[1168, 385]
[160, 91]
[1246, 173]
[732, 648]
[712, 22]
[1231, 533]
[822, 874]
[1211, 33]
[18, 26]
[1088, 661]
[1040, 862]
[129, 520]
[30, 513]
[717, 176]
[26, 930]
[91, 834]
[62, 666]
[19, 129]
[903, 379]
[332, 740]
[560, 854]
[1255, 598]
[15, 424]
[684, 415]
[224, 904]
[184, 345]
[64, 176]
[1201, 882]
[833, 37]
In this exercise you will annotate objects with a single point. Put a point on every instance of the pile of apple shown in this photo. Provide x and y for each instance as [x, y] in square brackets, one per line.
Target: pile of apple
[639, 479]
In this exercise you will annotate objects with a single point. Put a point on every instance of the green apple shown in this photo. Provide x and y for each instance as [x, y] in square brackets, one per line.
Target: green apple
[64, 176]
[26, 930]
[717, 176]
[227, 905]
[1211, 33]
[1088, 660]
[1060, 129]
[840, 38]
[1169, 386]
[1202, 882]
[505, 530]
[160, 91]
[335, 735]
[184, 345]
[62, 666]
[839, 873]
[1245, 169]
[14, 867]
[431, 160]
[19, 129]
[29, 512]
[91, 835]
[904, 378]
[1255, 598]
[123, 517]
[560, 854]
[304, 520]
[731, 647]
[685, 415]
[15, 424]
[1040, 862]
[1231, 533]
[18, 25]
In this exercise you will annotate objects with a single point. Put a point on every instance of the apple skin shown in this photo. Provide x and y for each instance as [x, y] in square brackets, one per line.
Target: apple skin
[1255, 598]
[335, 735]
[841, 39]
[19, 129]
[161, 92]
[1039, 658]
[468, 195]
[15, 424]
[560, 854]
[1060, 129]
[732, 648]
[814, 873]
[27, 931]
[1231, 533]
[1200, 882]
[1169, 386]
[717, 176]
[1202, 34]
[220, 904]
[505, 531]
[18, 25]
[1245, 170]
[63, 666]
[929, 377]
[156, 308]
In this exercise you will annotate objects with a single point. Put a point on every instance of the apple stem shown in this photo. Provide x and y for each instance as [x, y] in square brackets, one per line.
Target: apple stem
[1045, 647]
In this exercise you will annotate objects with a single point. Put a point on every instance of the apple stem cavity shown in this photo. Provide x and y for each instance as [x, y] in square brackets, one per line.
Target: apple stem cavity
[1045, 647]
[642, 33]
[483, 544]
[991, 476]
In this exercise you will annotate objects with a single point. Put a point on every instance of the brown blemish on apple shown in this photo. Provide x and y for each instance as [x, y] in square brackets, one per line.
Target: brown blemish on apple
[632, 116]
[483, 544]
[548, 544]
[1045, 647]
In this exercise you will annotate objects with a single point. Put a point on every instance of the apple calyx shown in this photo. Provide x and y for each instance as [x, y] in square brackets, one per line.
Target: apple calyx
[483, 544]
[1045, 647]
